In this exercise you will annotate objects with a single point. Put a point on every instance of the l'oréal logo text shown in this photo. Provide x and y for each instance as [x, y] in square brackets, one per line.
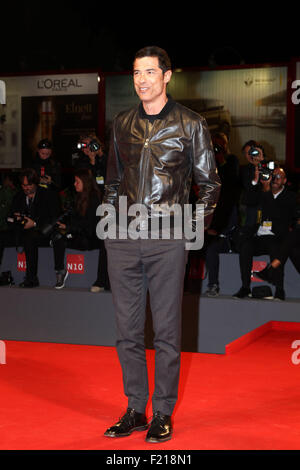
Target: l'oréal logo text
[57, 84]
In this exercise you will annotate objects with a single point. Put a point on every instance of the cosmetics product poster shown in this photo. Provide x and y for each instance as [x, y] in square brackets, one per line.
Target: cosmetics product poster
[58, 107]
[61, 119]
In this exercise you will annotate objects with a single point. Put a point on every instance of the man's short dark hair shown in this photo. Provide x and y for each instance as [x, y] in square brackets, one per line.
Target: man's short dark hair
[31, 175]
[164, 61]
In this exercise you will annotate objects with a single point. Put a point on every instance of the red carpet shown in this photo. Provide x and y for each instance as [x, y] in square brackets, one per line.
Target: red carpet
[63, 397]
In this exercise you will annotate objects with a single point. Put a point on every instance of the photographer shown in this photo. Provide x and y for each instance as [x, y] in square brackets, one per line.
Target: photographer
[228, 170]
[31, 209]
[290, 248]
[80, 229]
[225, 216]
[92, 157]
[250, 198]
[277, 208]
[48, 169]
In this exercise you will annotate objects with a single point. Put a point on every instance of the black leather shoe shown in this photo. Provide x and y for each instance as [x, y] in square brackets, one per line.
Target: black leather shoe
[29, 283]
[243, 292]
[6, 279]
[279, 294]
[160, 429]
[131, 421]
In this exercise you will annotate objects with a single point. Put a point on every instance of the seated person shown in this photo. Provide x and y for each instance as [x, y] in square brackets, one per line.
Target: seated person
[80, 228]
[48, 169]
[277, 205]
[290, 248]
[31, 208]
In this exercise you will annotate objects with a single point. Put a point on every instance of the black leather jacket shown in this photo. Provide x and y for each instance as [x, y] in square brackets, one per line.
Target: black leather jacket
[153, 163]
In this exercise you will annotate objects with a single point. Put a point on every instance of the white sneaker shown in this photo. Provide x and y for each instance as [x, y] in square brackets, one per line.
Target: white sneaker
[96, 289]
[212, 291]
[61, 276]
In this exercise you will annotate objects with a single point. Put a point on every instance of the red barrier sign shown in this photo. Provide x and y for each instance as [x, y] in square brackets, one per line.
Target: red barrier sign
[257, 266]
[75, 264]
[21, 262]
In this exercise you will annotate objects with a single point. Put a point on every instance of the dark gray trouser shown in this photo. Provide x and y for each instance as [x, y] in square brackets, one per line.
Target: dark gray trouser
[134, 265]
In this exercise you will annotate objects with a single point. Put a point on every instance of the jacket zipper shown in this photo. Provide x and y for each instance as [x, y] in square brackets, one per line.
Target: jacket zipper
[145, 161]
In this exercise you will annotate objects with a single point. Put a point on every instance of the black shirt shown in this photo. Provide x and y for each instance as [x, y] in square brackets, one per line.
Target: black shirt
[163, 113]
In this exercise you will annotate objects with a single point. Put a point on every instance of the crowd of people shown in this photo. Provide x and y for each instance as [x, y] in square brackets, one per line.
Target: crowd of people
[36, 212]
[257, 213]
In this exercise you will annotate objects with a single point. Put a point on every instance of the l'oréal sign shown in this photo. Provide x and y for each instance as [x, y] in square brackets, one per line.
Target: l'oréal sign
[48, 85]
[65, 84]
[77, 84]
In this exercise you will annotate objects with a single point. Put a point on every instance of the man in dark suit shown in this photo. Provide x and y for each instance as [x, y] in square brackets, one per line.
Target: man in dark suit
[277, 208]
[32, 208]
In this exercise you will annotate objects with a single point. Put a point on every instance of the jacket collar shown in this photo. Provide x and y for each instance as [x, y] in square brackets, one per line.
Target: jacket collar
[164, 112]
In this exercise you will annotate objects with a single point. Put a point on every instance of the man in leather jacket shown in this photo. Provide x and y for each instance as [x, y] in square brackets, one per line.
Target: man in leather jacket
[156, 148]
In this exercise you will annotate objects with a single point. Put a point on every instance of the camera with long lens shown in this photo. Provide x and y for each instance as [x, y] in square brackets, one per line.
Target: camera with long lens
[93, 145]
[17, 220]
[53, 231]
[265, 168]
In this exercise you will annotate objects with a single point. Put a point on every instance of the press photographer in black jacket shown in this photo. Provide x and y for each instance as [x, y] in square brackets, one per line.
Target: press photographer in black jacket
[289, 248]
[250, 198]
[92, 156]
[46, 166]
[31, 209]
[225, 217]
[80, 229]
[277, 206]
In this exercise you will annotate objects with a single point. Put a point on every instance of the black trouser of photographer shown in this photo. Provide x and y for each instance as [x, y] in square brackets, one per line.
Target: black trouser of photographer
[82, 244]
[8, 239]
[290, 248]
[212, 259]
[30, 240]
[257, 246]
